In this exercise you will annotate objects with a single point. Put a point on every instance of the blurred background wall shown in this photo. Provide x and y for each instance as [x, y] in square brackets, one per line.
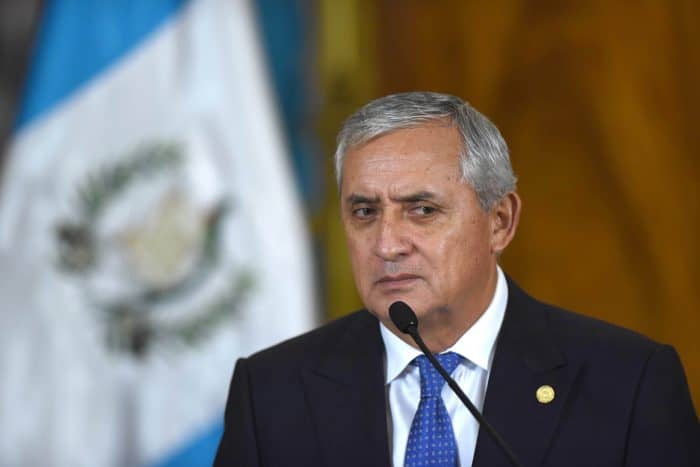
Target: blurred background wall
[597, 100]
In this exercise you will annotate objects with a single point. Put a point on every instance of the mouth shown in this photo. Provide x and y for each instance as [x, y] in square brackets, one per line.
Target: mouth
[398, 280]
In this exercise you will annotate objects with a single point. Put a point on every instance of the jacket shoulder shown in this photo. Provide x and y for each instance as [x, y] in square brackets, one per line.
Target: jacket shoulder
[308, 347]
[589, 334]
[577, 336]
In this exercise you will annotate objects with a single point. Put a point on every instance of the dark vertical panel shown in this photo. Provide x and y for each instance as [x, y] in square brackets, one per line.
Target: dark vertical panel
[18, 24]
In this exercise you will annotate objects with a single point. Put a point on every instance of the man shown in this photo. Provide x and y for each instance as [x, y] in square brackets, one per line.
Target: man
[428, 205]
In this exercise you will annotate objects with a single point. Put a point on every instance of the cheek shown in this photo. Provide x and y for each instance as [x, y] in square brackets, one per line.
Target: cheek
[359, 260]
[460, 250]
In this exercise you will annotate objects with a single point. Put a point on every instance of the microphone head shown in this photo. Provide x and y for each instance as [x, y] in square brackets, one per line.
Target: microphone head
[403, 317]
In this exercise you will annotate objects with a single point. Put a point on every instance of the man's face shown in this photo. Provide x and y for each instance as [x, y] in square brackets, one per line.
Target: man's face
[415, 229]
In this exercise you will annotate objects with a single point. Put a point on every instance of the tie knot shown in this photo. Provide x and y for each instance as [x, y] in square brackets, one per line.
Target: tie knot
[431, 382]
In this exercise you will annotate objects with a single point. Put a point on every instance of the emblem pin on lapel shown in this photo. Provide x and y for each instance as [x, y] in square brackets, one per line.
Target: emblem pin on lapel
[545, 394]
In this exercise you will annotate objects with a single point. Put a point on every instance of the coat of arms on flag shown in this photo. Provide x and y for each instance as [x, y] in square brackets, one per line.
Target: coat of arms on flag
[134, 268]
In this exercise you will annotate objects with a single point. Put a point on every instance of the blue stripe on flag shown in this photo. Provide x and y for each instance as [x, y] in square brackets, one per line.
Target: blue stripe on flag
[285, 27]
[199, 452]
[77, 39]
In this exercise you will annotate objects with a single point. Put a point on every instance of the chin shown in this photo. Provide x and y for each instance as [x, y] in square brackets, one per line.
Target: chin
[380, 307]
[380, 310]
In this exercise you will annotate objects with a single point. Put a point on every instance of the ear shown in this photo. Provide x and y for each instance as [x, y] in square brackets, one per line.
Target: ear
[505, 215]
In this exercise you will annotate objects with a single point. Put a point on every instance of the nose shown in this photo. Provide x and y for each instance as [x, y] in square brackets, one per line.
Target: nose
[392, 241]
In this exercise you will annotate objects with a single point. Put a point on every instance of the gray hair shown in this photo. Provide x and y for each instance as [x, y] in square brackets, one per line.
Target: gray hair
[484, 159]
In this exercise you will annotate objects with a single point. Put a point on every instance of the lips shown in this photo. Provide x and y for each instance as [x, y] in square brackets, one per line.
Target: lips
[397, 280]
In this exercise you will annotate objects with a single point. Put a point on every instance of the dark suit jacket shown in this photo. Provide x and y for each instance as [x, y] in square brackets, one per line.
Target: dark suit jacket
[319, 399]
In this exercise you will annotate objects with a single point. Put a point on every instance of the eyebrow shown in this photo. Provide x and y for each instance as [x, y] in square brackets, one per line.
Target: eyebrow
[355, 198]
[415, 197]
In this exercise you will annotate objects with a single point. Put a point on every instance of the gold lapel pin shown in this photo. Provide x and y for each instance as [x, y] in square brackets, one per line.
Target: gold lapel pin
[545, 394]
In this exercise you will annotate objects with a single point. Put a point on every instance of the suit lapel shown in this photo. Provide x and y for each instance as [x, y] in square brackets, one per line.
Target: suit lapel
[526, 358]
[346, 396]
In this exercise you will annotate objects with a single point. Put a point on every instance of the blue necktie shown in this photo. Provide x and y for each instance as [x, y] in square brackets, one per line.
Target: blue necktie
[431, 441]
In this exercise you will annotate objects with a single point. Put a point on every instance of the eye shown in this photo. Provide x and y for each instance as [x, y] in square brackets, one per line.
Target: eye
[424, 210]
[363, 213]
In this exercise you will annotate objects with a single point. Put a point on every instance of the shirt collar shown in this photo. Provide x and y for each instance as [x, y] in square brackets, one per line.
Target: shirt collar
[476, 345]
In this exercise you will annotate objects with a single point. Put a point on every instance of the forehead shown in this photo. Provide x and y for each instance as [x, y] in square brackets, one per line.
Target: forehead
[424, 156]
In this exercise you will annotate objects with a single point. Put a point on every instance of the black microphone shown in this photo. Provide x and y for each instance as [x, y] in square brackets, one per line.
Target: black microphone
[406, 321]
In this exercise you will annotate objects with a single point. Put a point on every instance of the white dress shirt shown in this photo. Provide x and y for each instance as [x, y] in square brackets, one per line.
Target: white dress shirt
[477, 346]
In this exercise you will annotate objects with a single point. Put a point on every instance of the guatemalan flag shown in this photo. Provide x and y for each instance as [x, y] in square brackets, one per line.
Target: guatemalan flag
[150, 234]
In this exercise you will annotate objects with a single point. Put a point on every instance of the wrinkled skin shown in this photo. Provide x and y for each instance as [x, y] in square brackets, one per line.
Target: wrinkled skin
[416, 231]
